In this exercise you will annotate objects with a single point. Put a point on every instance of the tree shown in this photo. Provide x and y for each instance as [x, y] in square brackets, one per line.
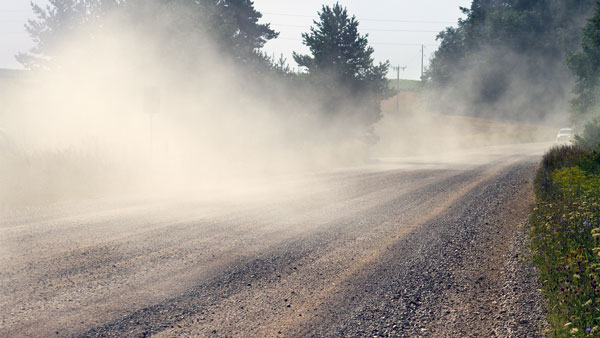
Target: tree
[341, 66]
[55, 23]
[585, 65]
[232, 25]
[506, 59]
[237, 25]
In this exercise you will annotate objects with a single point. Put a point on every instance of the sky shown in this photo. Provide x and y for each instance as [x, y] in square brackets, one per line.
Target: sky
[396, 28]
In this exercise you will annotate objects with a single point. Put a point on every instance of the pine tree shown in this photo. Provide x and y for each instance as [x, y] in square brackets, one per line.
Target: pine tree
[57, 22]
[342, 68]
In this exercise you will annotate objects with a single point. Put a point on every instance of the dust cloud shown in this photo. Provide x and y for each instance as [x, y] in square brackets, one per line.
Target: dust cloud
[127, 110]
[132, 107]
[493, 100]
[492, 66]
[411, 126]
[503, 85]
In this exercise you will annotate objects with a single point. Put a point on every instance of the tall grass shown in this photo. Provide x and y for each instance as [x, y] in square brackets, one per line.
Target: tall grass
[565, 226]
[35, 177]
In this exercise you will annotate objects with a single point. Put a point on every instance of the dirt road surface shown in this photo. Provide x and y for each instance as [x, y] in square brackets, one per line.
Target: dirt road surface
[401, 247]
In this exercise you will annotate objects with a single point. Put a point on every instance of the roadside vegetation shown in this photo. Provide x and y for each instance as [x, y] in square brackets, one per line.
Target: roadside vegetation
[565, 226]
[565, 234]
[565, 223]
[405, 85]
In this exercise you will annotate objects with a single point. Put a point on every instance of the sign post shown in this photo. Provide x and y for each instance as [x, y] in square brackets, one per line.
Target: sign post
[151, 107]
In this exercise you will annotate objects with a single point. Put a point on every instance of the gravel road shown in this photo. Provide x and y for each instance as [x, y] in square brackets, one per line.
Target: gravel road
[401, 247]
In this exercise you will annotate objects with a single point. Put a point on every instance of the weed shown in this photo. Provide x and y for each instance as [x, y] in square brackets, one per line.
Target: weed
[565, 237]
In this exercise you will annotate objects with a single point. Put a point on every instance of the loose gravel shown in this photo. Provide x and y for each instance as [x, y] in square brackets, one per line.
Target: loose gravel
[432, 251]
[464, 274]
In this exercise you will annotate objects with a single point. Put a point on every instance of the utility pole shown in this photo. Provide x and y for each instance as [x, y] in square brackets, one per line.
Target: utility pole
[422, 59]
[397, 69]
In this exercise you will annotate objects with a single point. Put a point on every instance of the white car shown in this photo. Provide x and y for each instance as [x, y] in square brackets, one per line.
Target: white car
[565, 135]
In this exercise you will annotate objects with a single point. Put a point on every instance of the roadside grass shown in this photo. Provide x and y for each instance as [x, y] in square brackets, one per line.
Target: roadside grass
[565, 231]
[405, 85]
[38, 177]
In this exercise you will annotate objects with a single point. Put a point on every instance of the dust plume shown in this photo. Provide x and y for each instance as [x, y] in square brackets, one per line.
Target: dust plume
[415, 129]
[506, 61]
[132, 106]
[499, 76]
[501, 84]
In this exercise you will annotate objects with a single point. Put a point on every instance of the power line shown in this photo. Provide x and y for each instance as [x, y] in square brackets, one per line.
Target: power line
[368, 29]
[374, 43]
[399, 44]
[378, 20]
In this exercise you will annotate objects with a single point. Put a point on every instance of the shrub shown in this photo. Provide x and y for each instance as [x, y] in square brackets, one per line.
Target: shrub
[591, 164]
[565, 237]
[591, 135]
[564, 156]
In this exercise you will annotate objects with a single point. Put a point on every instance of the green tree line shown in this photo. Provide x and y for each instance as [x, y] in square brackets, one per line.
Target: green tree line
[506, 59]
[585, 65]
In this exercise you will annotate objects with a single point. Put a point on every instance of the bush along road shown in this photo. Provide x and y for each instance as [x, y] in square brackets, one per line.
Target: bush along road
[564, 229]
